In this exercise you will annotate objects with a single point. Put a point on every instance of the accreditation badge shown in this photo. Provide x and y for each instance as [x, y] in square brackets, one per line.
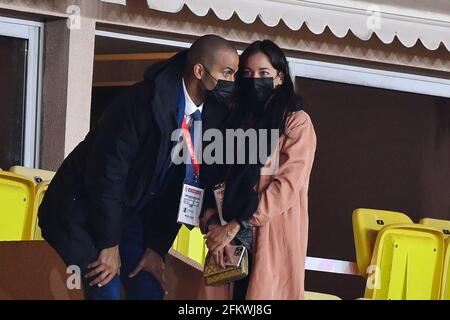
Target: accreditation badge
[190, 205]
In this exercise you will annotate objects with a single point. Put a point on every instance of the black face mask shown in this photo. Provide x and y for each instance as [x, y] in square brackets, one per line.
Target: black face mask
[222, 91]
[256, 91]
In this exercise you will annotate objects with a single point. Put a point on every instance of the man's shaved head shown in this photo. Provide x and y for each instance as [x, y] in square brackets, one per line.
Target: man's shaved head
[209, 60]
[207, 51]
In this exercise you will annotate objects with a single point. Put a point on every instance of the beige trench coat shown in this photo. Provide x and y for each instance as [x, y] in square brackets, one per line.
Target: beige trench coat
[281, 233]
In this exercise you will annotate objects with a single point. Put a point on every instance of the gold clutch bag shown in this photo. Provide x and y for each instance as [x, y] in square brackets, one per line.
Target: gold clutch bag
[216, 276]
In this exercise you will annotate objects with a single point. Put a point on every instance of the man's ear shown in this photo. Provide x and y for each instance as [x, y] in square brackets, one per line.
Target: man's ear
[199, 70]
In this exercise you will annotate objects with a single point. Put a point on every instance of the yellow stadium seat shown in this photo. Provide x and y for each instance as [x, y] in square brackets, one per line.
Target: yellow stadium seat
[445, 289]
[407, 263]
[191, 244]
[309, 295]
[443, 225]
[16, 206]
[41, 188]
[37, 175]
[366, 225]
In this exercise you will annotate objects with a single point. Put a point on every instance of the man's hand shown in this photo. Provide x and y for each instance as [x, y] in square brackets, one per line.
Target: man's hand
[203, 221]
[106, 267]
[153, 263]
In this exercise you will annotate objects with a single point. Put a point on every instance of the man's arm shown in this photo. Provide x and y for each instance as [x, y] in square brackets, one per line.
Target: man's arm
[115, 146]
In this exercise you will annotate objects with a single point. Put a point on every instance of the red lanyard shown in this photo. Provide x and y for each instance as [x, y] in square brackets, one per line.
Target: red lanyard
[190, 146]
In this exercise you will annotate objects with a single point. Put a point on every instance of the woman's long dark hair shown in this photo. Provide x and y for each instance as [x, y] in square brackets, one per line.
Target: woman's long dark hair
[241, 199]
[281, 103]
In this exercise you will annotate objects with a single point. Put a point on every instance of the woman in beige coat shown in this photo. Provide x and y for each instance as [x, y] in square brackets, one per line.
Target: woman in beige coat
[266, 209]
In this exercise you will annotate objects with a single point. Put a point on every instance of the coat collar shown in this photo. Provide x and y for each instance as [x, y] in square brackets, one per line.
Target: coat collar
[166, 78]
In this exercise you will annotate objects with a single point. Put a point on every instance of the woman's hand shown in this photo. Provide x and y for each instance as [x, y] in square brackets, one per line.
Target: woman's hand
[220, 236]
[223, 256]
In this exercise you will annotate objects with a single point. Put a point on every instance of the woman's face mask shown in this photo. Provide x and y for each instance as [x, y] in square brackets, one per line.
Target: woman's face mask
[256, 91]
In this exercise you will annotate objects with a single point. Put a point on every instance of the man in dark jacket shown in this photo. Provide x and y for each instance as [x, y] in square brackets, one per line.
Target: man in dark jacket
[112, 206]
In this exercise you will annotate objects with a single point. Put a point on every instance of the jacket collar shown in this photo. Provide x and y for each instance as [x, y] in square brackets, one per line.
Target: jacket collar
[166, 78]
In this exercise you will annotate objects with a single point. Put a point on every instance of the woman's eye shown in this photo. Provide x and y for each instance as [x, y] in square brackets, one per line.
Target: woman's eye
[246, 74]
[265, 73]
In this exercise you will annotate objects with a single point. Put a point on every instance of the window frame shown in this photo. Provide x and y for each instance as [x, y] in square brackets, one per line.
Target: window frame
[31, 31]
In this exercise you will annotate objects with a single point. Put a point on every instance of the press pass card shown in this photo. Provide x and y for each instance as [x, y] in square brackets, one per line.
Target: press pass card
[190, 205]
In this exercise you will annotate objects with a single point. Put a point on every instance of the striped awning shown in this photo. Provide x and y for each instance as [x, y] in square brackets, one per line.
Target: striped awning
[409, 21]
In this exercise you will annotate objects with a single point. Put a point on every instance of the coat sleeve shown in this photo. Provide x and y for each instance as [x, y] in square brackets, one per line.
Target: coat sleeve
[296, 158]
[115, 146]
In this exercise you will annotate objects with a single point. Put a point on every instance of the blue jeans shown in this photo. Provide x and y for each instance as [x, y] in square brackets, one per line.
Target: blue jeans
[144, 286]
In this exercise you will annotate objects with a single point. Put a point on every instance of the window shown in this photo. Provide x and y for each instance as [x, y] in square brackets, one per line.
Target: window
[19, 84]
[120, 61]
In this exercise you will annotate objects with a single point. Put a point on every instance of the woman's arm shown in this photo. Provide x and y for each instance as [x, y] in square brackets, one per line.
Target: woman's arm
[296, 157]
[218, 240]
